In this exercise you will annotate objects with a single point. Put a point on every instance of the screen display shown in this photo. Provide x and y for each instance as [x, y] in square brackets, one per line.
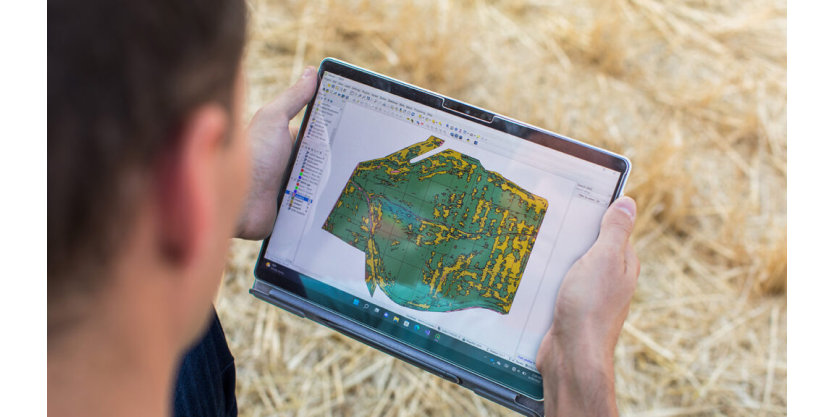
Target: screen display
[435, 229]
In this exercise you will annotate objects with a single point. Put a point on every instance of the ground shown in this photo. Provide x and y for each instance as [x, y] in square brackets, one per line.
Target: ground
[693, 92]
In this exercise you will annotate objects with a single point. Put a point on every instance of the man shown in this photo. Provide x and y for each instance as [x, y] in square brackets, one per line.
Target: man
[150, 174]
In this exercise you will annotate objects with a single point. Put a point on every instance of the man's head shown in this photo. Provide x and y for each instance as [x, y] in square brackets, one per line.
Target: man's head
[147, 164]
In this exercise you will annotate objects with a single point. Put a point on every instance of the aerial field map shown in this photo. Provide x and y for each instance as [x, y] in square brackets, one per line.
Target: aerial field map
[441, 234]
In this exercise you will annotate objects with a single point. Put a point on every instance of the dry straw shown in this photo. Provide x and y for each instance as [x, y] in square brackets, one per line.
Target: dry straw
[694, 92]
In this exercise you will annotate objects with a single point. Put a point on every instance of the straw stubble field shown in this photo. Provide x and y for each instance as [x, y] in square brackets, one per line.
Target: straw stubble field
[694, 92]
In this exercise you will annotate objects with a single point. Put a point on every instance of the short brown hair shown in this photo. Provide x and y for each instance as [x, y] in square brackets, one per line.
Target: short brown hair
[122, 77]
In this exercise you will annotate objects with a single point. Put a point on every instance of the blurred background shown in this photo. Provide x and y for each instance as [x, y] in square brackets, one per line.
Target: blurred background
[692, 91]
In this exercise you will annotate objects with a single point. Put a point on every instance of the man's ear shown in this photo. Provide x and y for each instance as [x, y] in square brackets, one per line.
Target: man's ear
[185, 184]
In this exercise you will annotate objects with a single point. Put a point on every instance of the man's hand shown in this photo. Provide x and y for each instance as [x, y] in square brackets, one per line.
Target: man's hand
[271, 142]
[576, 356]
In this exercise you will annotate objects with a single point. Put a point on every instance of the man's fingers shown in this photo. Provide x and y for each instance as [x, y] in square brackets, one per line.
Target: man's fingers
[291, 101]
[617, 223]
[632, 263]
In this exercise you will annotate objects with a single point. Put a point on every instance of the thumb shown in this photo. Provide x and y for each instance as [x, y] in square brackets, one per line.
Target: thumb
[617, 223]
[293, 99]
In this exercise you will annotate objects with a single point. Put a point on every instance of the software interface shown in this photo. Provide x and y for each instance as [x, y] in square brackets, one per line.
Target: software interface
[463, 229]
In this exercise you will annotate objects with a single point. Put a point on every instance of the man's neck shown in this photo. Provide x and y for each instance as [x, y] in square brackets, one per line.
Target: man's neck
[113, 364]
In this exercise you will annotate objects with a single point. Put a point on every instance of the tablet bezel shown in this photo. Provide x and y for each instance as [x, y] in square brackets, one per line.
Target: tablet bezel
[290, 295]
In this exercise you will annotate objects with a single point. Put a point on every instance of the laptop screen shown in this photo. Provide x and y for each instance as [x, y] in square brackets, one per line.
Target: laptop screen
[434, 229]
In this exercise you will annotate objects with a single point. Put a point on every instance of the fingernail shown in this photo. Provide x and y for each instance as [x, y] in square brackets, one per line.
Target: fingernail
[307, 72]
[627, 206]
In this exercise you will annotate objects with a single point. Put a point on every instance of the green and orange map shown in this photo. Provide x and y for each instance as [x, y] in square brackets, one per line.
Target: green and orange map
[441, 234]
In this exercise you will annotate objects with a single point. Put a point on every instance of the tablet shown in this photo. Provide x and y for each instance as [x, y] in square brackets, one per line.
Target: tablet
[433, 230]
